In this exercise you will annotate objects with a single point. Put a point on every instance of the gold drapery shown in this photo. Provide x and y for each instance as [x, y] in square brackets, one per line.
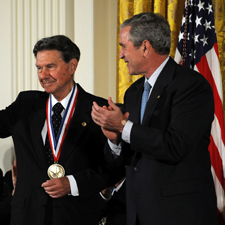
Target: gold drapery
[219, 14]
[172, 10]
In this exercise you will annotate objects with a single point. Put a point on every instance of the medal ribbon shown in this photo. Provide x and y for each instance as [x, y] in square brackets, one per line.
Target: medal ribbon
[56, 142]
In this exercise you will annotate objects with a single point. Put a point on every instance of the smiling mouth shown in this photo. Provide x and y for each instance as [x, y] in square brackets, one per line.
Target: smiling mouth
[48, 82]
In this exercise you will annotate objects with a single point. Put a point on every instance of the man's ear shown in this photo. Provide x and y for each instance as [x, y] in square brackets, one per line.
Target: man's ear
[146, 46]
[73, 65]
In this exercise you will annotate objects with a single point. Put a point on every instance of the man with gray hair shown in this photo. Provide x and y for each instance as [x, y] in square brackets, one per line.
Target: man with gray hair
[163, 137]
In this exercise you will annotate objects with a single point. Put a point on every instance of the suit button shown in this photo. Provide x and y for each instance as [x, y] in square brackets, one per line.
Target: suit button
[135, 169]
[43, 206]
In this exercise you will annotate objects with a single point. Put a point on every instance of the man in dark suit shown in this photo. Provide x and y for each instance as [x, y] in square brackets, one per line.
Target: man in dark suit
[60, 172]
[168, 171]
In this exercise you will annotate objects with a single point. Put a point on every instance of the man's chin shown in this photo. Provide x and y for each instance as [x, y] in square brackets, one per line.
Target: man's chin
[48, 90]
[132, 73]
[48, 87]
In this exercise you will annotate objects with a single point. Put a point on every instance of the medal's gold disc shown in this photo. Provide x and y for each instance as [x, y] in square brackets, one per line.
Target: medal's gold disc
[56, 171]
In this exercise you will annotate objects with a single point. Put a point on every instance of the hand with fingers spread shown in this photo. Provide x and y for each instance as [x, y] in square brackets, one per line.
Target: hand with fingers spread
[57, 187]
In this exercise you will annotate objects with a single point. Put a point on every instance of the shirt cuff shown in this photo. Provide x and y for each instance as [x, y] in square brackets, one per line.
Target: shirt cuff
[119, 186]
[116, 149]
[73, 186]
[113, 190]
[106, 199]
[126, 131]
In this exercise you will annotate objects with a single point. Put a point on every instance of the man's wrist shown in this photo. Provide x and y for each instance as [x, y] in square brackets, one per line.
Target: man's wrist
[123, 122]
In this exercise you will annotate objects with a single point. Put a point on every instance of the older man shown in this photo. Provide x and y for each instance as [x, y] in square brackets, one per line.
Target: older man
[59, 149]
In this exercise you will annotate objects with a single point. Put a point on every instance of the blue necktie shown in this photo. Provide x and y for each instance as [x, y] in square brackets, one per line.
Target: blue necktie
[144, 99]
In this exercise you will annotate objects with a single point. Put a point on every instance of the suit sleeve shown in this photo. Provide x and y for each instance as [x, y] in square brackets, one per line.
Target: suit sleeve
[8, 118]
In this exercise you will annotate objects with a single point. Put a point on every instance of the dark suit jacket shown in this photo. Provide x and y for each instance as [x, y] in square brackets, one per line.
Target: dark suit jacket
[168, 171]
[81, 156]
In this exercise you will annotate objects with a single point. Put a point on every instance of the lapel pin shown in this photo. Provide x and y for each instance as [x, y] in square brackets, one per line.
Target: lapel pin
[158, 96]
[84, 124]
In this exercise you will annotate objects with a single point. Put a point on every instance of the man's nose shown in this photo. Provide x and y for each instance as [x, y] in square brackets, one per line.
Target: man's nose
[121, 54]
[44, 72]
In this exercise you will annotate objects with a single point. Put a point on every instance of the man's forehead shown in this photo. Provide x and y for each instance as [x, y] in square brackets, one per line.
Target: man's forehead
[49, 52]
[124, 34]
[49, 55]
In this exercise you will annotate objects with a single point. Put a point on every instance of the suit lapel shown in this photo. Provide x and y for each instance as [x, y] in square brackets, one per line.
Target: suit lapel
[163, 80]
[36, 121]
[78, 124]
[134, 101]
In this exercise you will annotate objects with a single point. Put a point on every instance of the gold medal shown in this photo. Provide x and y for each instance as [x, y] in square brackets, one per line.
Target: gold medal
[56, 171]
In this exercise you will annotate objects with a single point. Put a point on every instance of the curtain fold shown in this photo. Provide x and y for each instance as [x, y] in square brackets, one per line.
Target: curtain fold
[219, 14]
[172, 10]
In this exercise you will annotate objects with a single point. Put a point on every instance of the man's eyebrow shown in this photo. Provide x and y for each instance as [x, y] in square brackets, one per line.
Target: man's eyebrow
[49, 64]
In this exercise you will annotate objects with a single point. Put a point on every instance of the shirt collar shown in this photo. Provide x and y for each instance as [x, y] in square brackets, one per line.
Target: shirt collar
[152, 79]
[65, 101]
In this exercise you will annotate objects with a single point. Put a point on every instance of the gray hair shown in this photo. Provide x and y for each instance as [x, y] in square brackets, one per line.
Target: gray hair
[152, 27]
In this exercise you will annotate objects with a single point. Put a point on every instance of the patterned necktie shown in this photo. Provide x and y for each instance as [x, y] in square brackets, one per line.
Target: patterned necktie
[56, 121]
[56, 117]
[144, 99]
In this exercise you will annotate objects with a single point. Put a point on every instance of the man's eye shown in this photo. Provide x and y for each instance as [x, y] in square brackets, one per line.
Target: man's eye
[50, 67]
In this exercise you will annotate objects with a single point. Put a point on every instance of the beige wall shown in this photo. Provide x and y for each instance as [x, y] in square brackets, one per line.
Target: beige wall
[90, 23]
